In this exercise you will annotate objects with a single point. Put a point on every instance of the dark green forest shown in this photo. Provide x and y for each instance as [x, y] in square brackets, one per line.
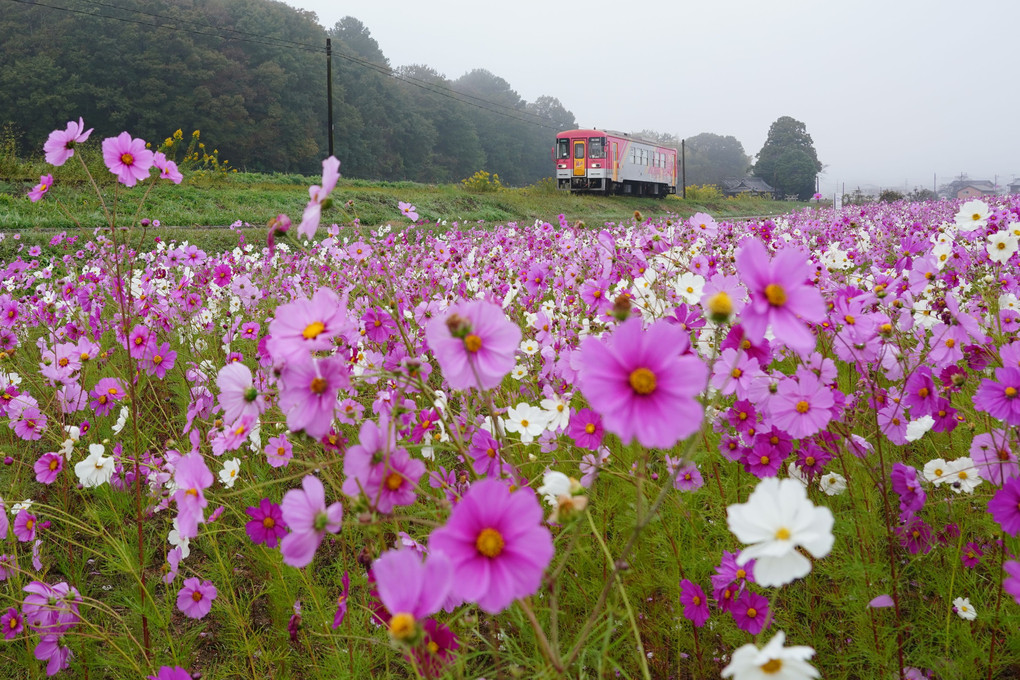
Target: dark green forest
[251, 76]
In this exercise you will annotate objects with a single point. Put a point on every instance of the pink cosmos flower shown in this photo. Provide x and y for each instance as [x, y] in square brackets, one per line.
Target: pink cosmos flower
[196, 597]
[306, 325]
[319, 195]
[751, 612]
[801, 407]
[238, 394]
[127, 158]
[781, 298]
[341, 602]
[379, 325]
[60, 144]
[641, 386]
[1005, 506]
[497, 544]
[408, 210]
[267, 524]
[278, 451]
[485, 452]
[48, 467]
[1011, 584]
[1000, 398]
[305, 512]
[167, 168]
[25, 525]
[191, 477]
[585, 428]
[475, 344]
[309, 392]
[692, 597]
[40, 189]
[106, 393]
[410, 589]
[170, 673]
[11, 623]
[158, 359]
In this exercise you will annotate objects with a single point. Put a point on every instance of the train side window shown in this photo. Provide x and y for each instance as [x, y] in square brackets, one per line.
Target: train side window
[597, 147]
[562, 148]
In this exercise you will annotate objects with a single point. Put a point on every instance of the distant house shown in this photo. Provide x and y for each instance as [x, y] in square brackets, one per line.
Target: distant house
[1014, 186]
[970, 188]
[747, 186]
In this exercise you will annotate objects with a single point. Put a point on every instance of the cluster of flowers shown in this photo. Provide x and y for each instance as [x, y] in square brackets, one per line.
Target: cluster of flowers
[410, 339]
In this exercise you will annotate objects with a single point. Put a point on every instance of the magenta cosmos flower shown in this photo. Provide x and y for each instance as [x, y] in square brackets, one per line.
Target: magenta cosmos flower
[127, 158]
[474, 343]
[309, 392]
[410, 589]
[1005, 506]
[802, 406]
[692, 597]
[196, 597]
[641, 386]
[781, 297]
[304, 325]
[497, 545]
[267, 524]
[60, 144]
[1001, 399]
[305, 512]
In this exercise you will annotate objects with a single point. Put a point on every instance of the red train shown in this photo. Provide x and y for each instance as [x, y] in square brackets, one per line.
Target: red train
[601, 161]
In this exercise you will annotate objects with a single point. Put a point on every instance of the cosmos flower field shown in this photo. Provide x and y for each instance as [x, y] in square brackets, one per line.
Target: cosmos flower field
[663, 448]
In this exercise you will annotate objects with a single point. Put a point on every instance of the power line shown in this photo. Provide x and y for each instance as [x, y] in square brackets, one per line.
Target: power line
[245, 36]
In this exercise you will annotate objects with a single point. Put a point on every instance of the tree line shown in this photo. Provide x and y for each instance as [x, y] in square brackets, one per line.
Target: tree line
[251, 76]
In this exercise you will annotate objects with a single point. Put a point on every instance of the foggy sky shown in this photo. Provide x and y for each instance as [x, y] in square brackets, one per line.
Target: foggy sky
[891, 91]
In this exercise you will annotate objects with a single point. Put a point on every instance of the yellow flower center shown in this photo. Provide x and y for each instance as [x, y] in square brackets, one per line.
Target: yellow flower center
[490, 452]
[433, 647]
[775, 294]
[268, 522]
[54, 463]
[741, 573]
[783, 534]
[802, 406]
[736, 373]
[393, 481]
[642, 381]
[590, 428]
[1010, 392]
[318, 385]
[127, 159]
[472, 343]
[313, 330]
[402, 626]
[490, 542]
[751, 612]
[771, 666]
[196, 596]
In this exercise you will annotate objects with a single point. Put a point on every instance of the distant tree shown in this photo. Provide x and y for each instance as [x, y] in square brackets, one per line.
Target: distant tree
[788, 160]
[889, 196]
[551, 110]
[359, 39]
[661, 138]
[920, 195]
[712, 158]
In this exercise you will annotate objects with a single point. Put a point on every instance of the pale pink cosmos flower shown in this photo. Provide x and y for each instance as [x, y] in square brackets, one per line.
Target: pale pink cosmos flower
[60, 144]
[319, 194]
[191, 477]
[127, 158]
[475, 344]
[196, 597]
[238, 394]
[167, 168]
[40, 189]
[304, 325]
[305, 512]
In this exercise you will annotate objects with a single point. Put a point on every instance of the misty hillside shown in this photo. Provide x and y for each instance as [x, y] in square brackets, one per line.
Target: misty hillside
[251, 75]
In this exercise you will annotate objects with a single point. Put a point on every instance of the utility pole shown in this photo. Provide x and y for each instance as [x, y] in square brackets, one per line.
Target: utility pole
[683, 164]
[329, 92]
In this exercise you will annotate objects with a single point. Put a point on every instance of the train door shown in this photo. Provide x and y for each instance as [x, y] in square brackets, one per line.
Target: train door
[616, 162]
[580, 158]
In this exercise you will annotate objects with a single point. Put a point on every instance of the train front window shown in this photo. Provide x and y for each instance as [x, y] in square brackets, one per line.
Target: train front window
[562, 148]
[578, 149]
[597, 147]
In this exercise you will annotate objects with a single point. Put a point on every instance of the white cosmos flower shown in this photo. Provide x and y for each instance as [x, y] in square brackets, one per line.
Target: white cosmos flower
[530, 421]
[972, 215]
[917, 428]
[964, 609]
[554, 485]
[936, 471]
[228, 475]
[558, 412]
[529, 347]
[690, 287]
[776, 520]
[772, 662]
[833, 484]
[1001, 246]
[95, 470]
[962, 475]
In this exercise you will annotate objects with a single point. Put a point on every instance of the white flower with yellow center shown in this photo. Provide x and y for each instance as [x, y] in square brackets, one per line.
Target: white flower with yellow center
[777, 519]
[833, 484]
[95, 470]
[972, 215]
[964, 609]
[689, 286]
[527, 420]
[228, 475]
[773, 661]
[1001, 246]
[962, 476]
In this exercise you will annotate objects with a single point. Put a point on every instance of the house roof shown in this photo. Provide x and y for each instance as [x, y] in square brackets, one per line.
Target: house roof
[747, 183]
